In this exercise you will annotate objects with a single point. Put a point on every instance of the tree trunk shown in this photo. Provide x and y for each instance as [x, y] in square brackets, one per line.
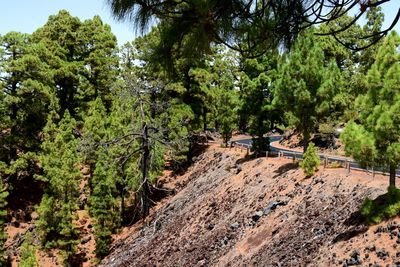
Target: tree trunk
[392, 178]
[204, 119]
[122, 205]
[306, 134]
[145, 160]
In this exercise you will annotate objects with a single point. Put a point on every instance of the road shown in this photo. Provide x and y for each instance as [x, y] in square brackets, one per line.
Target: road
[299, 155]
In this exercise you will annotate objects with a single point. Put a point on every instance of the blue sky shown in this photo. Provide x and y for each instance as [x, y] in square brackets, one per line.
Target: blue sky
[28, 15]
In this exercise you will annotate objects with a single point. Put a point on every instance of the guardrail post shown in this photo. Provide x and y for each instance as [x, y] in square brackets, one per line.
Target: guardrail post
[348, 167]
[294, 158]
[247, 151]
[373, 172]
[325, 161]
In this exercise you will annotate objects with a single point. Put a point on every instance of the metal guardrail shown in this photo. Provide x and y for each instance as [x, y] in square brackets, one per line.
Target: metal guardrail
[327, 160]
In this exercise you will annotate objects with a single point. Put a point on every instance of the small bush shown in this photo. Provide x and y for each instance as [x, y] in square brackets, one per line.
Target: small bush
[374, 213]
[311, 160]
[334, 165]
[28, 257]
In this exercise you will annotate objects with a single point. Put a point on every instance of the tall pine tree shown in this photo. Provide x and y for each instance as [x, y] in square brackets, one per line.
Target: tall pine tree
[306, 87]
[374, 141]
[57, 210]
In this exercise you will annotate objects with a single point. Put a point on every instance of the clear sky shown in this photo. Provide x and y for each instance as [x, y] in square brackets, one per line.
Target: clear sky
[28, 15]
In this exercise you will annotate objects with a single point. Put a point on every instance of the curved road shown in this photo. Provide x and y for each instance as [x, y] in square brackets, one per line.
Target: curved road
[299, 155]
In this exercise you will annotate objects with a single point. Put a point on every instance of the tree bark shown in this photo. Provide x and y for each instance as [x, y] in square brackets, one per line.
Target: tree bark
[392, 178]
[204, 119]
[145, 161]
[306, 134]
[122, 205]
[146, 154]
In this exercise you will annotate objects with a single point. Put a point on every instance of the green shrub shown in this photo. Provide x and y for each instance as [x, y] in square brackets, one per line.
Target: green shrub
[28, 257]
[334, 164]
[311, 160]
[375, 213]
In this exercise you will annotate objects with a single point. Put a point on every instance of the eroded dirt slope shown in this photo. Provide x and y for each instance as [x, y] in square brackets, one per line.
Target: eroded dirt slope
[261, 212]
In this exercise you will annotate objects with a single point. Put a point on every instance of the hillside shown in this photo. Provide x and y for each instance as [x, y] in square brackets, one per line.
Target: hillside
[260, 212]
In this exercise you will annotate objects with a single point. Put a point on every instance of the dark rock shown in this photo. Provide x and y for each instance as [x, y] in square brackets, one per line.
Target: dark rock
[381, 229]
[272, 206]
[382, 254]
[355, 254]
[217, 155]
[238, 169]
[234, 225]
[190, 249]
[354, 259]
[210, 226]
[392, 226]
[15, 224]
[257, 216]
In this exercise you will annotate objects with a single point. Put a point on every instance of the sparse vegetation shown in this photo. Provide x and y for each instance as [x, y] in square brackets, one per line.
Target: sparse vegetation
[28, 257]
[375, 211]
[311, 160]
[334, 164]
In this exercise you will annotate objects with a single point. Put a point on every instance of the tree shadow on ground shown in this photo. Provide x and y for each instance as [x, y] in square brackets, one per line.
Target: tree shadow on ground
[252, 156]
[357, 223]
[245, 159]
[180, 166]
[285, 168]
[356, 226]
[78, 259]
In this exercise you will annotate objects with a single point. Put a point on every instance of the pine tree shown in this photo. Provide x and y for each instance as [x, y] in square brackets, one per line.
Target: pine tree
[27, 255]
[95, 131]
[25, 100]
[3, 213]
[311, 160]
[83, 62]
[259, 115]
[214, 84]
[227, 113]
[305, 87]
[59, 203]
[374, 141]
[102, 205]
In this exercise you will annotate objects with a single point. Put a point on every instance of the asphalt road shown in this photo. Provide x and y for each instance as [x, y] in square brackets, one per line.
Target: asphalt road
[299, 155]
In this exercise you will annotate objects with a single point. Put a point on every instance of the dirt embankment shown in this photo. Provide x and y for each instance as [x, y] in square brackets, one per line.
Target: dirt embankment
[261, 212]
